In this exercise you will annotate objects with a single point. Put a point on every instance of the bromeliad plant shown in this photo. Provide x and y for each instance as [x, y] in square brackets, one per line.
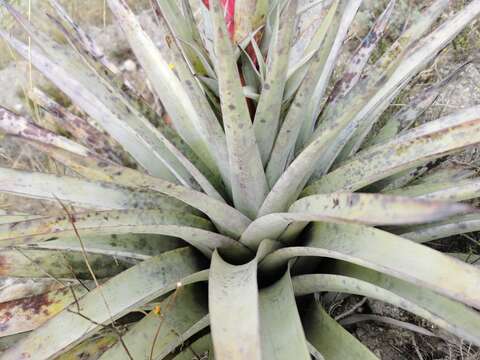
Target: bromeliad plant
[250, 183]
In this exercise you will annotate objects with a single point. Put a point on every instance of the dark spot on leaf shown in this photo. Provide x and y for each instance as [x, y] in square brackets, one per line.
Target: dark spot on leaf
[370, 39]
[353, 199]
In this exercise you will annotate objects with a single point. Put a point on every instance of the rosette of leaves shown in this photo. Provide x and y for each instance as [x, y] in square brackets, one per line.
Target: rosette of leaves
[265, 189]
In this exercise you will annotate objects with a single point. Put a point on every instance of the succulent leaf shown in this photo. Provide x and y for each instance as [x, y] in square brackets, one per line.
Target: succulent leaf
[200, 228]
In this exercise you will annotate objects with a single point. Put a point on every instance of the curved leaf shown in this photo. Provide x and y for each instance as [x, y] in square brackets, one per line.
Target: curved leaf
[226, 218]
[185, 103]
[373, 209]
[111, 110]
[385, 252]
[84, 133]
[130, 246]
[14, 124]
[146, 281]
[267, 115]
[291, 183]
[249, 185]
[459, 190]
[192, 229]
[400, 121]
[448, 314]
[82, 193]
[335, 342]
[358, 111]
[28, 313]
[280, 326]
[41, 263]
[92, 348]
[429, 141]
[442, 229]
[173, 316]
[311, 91]
[307, 284]
[234, 310]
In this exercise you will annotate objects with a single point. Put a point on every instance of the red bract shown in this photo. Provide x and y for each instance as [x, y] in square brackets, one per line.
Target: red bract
[229, 6]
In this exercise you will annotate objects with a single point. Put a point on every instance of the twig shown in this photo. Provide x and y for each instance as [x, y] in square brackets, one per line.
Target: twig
[69, 286]
[39, 267]
[402, 324]
[72, 220]
[417, 350]
[170, 303]
[72, 270]
[352, 310]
